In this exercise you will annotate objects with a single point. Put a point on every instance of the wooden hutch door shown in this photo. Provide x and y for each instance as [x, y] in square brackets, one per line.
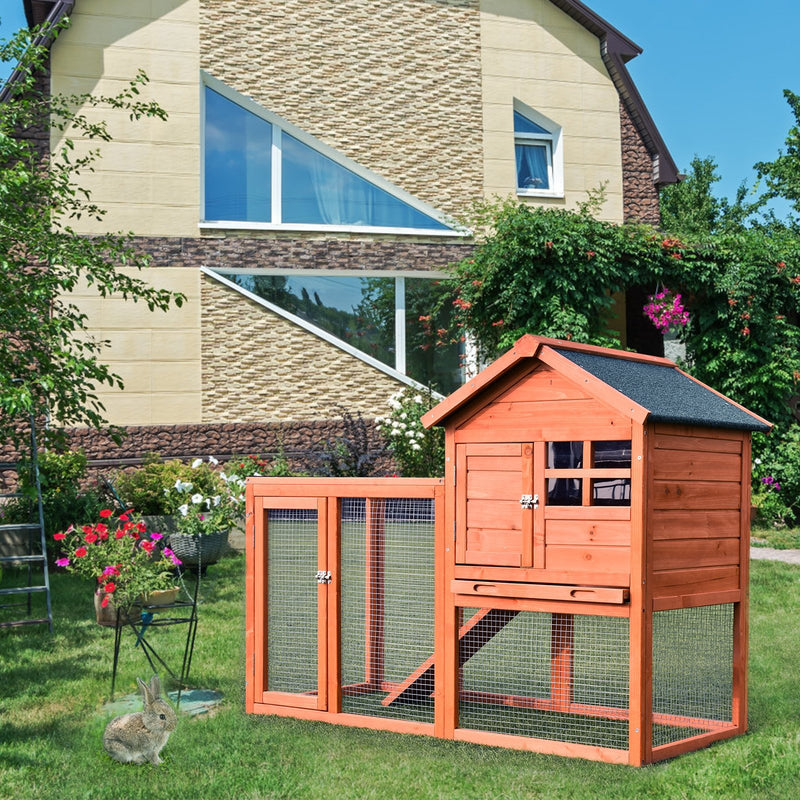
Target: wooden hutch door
[496, 504]
[291, 617]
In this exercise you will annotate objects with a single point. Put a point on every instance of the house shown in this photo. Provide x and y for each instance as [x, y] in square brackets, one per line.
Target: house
[306, 191]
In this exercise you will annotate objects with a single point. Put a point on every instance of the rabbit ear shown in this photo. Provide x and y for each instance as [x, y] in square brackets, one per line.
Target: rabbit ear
[155, 687]
[145, 690]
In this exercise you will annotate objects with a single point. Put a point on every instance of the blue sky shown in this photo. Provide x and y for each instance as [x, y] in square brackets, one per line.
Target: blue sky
[712, 74]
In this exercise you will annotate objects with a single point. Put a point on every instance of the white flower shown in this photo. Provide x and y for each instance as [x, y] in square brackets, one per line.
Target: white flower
[208, 502]
[223, 476]
[395, 404]
[182, 486]
[197, 498]
[216, 499]
[415, 446]
[394, 432]
[404, 415]
[758, 461]
[196, 463]
[184, 509]
[417, 398]
[212, 460]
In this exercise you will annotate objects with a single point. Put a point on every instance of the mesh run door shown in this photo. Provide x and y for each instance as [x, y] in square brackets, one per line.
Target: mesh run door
[291, 609]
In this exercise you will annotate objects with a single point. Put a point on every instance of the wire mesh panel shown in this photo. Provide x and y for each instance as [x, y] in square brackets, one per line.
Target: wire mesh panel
[562, 677]
[692, 671]
[387, 605]
[292, 600]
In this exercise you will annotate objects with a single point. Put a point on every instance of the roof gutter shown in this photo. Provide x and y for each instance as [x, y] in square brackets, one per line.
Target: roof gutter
[616, 50]
[60, 9]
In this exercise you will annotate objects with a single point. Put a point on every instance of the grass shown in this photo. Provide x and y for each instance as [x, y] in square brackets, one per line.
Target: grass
[763, 535]
[51, 724]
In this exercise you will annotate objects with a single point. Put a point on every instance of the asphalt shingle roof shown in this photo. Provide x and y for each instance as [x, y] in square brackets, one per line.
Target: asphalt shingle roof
[665, 392]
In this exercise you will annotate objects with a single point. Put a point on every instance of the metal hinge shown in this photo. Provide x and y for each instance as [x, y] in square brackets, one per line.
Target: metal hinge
[323, 576]
[529, 501]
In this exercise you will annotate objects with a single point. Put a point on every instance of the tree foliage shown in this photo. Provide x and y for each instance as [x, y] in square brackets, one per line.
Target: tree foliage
[552, 272]
[49, 363]
[783, 174]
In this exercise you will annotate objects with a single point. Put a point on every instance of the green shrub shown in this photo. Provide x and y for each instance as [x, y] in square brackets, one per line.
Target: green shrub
[65, 499]
[150, 489]
[417, 451]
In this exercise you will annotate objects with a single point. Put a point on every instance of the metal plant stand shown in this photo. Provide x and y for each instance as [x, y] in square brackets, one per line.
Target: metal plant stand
[152, 618]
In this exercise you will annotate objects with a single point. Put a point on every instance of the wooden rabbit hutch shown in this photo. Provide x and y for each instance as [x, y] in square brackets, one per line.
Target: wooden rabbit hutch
[577, 584]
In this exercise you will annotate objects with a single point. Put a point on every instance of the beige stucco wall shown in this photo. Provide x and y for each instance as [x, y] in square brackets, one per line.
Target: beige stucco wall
[156, 353]
[259, 366]
[148, 177]
[533, 51]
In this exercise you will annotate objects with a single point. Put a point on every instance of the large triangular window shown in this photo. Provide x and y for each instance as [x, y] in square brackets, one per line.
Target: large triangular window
[260, 169]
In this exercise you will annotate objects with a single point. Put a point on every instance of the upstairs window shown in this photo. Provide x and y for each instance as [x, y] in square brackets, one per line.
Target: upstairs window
[264, 172]
[537, 151]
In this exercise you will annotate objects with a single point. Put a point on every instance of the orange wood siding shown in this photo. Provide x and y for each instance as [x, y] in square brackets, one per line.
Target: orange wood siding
[696, 510]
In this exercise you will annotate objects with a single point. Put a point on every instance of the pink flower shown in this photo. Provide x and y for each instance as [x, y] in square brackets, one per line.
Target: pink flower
[59, 536]
[62, 562]
[156, 536]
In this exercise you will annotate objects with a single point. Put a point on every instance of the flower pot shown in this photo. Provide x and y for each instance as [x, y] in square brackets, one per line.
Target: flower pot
[161, 597]
[107, 617]
[197, 552]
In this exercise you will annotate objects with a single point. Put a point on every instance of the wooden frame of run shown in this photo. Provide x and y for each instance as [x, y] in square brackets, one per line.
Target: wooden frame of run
[659, 526]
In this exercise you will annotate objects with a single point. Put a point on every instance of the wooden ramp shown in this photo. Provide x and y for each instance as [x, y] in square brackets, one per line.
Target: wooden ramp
[472, 635]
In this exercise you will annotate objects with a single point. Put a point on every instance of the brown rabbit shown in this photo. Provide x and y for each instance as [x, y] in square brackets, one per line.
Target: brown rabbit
[138, 737]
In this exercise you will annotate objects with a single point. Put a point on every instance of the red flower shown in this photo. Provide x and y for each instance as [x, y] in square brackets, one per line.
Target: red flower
[124, 517]
[548, 245]
[120, 534]
[101, 529]
[80, 552]
[90, 538]
[745, 331]
[86, 528]
[59, 536]
[106, 512]
[497, 324]
[110, 587]
[590, 254]
[141, 527]
[104, 601]
[676, 255]
[148, 546]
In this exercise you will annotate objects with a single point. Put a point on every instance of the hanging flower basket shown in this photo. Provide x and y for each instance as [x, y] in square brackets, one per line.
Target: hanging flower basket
[198, 551]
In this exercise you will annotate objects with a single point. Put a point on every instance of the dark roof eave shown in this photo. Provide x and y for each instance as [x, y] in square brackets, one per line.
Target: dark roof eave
[34, 14]
[616, 50]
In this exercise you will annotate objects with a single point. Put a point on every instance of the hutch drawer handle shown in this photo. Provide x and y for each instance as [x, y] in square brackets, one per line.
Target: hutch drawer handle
[484, 588]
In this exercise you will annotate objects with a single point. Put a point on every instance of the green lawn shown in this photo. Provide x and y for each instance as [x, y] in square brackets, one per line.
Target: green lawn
[51, 723]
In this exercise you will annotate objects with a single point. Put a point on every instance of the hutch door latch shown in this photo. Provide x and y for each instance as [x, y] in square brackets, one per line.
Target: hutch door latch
[529, 501]
[323, 576]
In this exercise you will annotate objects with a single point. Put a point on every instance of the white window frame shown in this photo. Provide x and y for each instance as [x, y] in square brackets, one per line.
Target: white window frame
[280, 125]
[398, 371]
[553, 142]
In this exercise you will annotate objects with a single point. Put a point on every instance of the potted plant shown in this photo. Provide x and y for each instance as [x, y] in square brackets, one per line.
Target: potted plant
[205, 517]
[128, 566]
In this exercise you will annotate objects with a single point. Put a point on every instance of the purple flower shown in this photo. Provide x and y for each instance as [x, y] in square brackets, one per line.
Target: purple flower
[156, 536]
[62, 562]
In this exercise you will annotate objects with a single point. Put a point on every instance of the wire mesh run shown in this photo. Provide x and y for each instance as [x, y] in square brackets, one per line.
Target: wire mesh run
[692, 672]
[562, 677]
[387, 607]
[292, 601]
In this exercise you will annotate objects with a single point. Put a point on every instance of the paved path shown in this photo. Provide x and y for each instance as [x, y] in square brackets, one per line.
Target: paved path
[771, 554]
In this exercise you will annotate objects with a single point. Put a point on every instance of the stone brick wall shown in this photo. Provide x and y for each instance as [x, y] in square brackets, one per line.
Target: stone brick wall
[394, 86]
[301, 443]
[300, 252]
[257, 365]
[639, 193]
